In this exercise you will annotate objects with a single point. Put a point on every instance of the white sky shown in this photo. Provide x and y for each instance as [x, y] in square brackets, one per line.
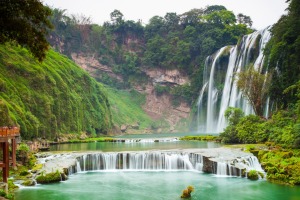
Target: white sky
[262, 12]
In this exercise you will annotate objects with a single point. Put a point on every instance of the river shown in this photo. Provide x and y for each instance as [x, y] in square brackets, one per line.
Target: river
[152, 185]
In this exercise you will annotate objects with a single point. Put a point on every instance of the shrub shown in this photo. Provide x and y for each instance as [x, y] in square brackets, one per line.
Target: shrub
[186, 193]
[252, 175]
[49, 178]
[24, 173]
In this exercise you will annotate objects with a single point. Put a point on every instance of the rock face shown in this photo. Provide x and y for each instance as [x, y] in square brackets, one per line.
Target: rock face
[160, 106]
[156, 106]
[90, 64]
[164, 76]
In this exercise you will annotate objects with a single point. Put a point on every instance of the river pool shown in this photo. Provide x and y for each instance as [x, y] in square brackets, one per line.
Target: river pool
[152, 185]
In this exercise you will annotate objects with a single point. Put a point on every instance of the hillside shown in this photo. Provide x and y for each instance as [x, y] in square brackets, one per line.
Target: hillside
[162, 60]
[50, 98]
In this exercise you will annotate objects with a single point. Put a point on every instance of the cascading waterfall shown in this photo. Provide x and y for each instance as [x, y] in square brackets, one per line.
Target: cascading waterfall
[161, 161]
[248, 52]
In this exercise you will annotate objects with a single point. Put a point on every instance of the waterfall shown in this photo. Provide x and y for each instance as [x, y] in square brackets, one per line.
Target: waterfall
[138, 161]
[239, 57]
[163, 161]
[221, 169]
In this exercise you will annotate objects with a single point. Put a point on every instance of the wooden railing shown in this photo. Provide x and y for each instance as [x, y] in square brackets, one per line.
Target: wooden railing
[9, 131]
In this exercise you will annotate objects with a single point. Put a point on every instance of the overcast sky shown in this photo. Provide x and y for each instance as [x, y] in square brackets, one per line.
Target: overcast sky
[262, 12]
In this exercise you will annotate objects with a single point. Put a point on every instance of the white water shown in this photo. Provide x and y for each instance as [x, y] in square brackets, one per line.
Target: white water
[161, 161]
[241, 56]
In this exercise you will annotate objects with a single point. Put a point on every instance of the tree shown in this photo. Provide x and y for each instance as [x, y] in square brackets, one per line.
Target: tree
[116, 17]
[244, 19]
[25, 22]
[283, 54]
[222, 17]
[255, 87]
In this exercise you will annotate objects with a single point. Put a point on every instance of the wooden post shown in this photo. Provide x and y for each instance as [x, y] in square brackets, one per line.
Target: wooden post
[5, 170]
[13, 149]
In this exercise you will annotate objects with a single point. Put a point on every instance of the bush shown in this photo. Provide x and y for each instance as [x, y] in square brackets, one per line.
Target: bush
[186, 193]
[24, 173]
[49, 178]
[252, 175]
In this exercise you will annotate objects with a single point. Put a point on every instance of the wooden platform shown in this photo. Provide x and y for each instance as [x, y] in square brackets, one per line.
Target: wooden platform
[8, 137]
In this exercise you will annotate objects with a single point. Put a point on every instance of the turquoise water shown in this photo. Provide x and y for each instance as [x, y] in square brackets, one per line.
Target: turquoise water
[145, 185]
[121, 185]
[134, 146]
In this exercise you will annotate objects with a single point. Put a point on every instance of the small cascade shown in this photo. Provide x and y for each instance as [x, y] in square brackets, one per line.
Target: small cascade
[137, 161]
[253, 163]
[222, 169]
[219, 161]
[221, 90]
[148, 140]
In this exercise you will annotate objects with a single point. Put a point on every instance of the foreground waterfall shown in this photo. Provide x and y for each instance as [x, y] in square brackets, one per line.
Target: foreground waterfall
[219, 161]
[218, 80]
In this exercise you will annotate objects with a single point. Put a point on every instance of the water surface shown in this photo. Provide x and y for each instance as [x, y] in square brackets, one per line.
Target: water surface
[124, 185]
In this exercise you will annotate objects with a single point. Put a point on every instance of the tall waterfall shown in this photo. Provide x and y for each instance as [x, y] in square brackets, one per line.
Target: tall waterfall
[219, 90]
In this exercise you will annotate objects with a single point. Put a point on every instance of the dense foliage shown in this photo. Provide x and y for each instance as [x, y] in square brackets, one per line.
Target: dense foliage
[282, 166]
[170, 42]
[282, 128]
[49, 98]
[25, 22]
[283, 52]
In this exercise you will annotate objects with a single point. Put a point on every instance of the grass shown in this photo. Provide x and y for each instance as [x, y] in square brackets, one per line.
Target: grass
[126, 108]
[201, 138]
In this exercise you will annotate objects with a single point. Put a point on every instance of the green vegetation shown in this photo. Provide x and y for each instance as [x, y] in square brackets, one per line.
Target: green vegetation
[283, 58]
[126, 108]
[186, 193]
[281, 165]
[49, 178]
[201, 138]
[50, 98]
[255, 87]
[252, 175]
[170, 42]
[25, 23]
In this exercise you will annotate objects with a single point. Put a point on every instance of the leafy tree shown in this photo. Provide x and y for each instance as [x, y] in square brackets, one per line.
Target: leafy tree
[191, 18]
[26, 23]
[230, 134]
[221, 17]
[255, 87]
[116, 17]
[244, 19]
[233, 115]
[283, 52]
[155, 27]
[214, 8]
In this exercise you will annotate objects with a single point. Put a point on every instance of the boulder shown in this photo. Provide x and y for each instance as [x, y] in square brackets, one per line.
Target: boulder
[123, 128]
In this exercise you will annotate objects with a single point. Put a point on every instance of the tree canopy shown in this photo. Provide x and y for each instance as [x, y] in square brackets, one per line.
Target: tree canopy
[25, 22]
[255, 87]
[283, 52]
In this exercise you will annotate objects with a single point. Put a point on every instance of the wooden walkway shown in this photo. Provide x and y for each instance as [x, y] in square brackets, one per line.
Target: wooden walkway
[8, 137]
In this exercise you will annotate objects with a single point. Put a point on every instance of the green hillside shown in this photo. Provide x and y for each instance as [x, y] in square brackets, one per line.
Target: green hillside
[50, 98]
[126, 108]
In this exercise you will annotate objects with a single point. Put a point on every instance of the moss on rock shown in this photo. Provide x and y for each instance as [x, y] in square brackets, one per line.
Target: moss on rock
[49, 178]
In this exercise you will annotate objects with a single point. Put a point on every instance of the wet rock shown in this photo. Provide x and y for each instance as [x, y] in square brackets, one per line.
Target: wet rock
[29, 182]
